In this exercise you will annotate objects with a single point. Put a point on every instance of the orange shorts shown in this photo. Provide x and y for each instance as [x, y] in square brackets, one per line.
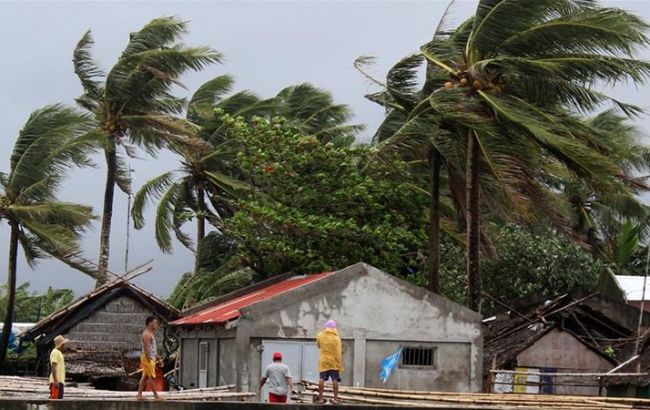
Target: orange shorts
[148, 366]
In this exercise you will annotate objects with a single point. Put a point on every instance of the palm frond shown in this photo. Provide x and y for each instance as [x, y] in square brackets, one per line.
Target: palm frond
[204, 100]
[164, 220]
[88, 72]
[153, 188]
[47, 145]
[587, 30]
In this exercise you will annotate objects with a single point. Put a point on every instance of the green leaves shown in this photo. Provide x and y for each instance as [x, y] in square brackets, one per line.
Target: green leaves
[207, 96]
[46, 146]
[314, 204]
[88, 72]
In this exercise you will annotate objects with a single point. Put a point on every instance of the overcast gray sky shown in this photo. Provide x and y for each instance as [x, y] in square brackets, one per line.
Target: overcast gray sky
[268, 45]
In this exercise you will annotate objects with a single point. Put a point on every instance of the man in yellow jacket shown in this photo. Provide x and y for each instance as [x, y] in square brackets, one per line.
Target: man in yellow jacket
[330, 361]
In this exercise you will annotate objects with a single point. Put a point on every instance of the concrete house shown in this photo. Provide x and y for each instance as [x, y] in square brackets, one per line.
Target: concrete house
[104, 327]
[231, 340]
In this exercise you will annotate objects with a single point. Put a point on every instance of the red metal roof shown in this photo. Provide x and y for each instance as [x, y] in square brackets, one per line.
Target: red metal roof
[229, 310]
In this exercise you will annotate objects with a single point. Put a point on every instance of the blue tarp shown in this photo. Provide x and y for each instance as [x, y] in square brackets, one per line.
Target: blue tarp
[13, 343]
[389, 364]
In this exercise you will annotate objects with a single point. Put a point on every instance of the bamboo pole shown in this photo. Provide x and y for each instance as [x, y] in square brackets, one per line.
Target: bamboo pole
[611, 402]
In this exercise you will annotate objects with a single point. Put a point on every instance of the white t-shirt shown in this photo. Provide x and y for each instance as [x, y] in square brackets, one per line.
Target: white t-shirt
[276, 378]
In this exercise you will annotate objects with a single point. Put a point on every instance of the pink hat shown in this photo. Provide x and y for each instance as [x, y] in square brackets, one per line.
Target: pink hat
[330, 324]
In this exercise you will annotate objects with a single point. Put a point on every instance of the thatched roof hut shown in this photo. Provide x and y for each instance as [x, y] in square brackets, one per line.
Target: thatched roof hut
[104, 327]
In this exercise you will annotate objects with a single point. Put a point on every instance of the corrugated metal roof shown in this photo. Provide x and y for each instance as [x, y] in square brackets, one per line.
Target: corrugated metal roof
[633, 287]
[229, 310]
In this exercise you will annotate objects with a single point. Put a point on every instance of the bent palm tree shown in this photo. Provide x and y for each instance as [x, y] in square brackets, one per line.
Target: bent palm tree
[517, 77]
[133, 102]
[51, 140]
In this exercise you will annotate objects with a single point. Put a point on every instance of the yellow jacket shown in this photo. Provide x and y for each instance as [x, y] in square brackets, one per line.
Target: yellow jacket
[329, 344]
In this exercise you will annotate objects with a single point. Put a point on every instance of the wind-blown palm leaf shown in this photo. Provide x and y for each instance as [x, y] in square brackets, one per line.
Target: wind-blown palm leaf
[164, 220]
[49, 130]
[88, 72]
[209, 94]
[153, 188]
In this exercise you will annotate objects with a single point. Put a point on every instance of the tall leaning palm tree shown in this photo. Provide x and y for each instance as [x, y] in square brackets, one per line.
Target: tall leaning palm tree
[519, 78]
[133, 103]
[53, 138]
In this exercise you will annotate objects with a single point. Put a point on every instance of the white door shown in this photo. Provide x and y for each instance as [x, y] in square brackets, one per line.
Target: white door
[203, 365]
[291, 356]
[309, 362]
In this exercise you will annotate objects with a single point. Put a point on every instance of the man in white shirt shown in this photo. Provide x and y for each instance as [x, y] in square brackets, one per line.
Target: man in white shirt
[279, 377]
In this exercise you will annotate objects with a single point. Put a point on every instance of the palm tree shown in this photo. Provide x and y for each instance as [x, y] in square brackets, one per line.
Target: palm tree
[203, 168]
[518, 76]
[52, 139]
[133, 102]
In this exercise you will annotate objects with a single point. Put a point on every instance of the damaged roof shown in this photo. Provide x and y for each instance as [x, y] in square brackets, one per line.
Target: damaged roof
[508, 335]
[229, 309]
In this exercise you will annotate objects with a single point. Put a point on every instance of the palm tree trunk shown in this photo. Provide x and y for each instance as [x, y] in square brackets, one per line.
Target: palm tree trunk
[107, 213]
[473, 217]
[200, 222]
[11, 296]
[434, 221]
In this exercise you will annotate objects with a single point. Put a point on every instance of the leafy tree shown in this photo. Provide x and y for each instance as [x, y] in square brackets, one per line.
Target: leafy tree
[52, 139]
[518, 76]
[320, 206]
[32, 306]
[528, 266]
[133, 102]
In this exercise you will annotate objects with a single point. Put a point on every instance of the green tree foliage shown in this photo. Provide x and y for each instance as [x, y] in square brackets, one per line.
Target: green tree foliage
[133, 103]
[33, 306]
[53, 139]
[319, 206]
[527, 266]
[208, 168]
[505, 98]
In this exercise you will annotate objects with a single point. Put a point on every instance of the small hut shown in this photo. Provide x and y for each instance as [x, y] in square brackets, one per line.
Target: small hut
[571, 334]
[104, 328]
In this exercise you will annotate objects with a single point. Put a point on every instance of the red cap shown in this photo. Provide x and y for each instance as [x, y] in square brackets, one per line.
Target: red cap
[277, 356]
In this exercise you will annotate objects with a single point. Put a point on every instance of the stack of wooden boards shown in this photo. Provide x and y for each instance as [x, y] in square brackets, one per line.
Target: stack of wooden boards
[479, 401]
[38, 388]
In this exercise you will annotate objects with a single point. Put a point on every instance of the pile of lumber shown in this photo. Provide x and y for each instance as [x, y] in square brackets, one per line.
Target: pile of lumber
[36, 387]
[479, 401]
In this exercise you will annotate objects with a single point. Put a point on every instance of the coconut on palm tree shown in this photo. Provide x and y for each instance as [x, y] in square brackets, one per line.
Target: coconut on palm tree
[133, 103]
[53, 139]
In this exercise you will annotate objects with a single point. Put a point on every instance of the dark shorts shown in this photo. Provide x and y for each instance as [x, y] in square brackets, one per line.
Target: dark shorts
[276, 398]
[56, 391]
[330, 374]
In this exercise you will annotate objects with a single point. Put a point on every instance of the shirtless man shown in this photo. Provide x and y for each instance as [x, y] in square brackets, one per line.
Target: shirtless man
[148, 358]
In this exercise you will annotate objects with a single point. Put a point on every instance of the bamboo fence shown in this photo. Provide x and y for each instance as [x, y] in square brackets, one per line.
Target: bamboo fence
[478, 401]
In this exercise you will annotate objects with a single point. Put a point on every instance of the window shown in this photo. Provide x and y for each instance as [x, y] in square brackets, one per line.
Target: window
[415, 356]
